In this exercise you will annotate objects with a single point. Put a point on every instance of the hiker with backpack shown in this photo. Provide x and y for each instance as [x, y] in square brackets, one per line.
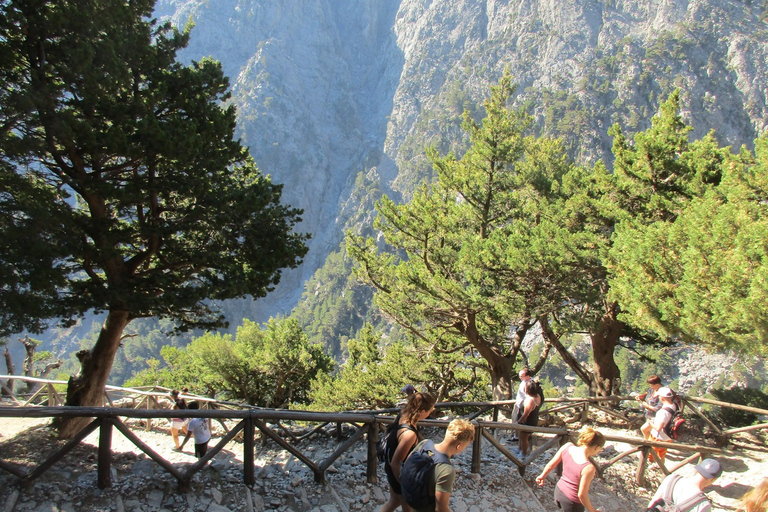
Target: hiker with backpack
[401, 437]
[428, 474]
[678, 494]
[572, 490]
[651, 403]
[663, 420]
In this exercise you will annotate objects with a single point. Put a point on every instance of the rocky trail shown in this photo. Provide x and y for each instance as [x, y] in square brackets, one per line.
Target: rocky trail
[285, 484]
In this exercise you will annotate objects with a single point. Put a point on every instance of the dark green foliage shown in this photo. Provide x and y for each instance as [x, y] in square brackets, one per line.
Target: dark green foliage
[121, 186]
[466, 255]
[123, 161]
[374, 373]
[742, 396]
[696, 267]
[334, 305]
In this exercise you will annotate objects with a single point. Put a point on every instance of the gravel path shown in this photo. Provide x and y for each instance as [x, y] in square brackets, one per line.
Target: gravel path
[285, 484]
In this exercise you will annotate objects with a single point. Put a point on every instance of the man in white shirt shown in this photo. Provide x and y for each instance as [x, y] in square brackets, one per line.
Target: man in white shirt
[687, 494]
[520, 398]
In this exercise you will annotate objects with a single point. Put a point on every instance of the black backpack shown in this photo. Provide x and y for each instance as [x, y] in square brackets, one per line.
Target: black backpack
[387, 444]
[414, 475]
[665, 503]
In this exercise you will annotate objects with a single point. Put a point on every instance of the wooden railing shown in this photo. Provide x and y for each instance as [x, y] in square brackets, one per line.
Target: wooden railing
[365, 425]
[248, 421]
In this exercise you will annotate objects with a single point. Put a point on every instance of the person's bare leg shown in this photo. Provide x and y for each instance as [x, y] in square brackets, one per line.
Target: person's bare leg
[646, 430]
[395, 500]
[175, 436]
[523, 442]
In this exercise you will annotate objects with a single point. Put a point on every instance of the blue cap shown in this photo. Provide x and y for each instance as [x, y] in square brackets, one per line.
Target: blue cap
[709, 468]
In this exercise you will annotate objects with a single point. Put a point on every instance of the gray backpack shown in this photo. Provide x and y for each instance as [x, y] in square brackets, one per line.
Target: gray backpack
[666, 504]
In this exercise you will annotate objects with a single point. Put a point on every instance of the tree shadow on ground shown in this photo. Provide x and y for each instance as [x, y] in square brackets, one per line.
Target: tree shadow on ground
[733, 490]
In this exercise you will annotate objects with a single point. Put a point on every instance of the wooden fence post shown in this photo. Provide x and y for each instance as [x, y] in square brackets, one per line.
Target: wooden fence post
[249, 471]
[561, 441]
[640, 474]
[104, 478]
[477, 447]
[148, 425]
[372, 460]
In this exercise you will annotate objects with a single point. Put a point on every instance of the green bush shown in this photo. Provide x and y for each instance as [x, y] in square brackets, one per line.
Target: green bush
[743, 396]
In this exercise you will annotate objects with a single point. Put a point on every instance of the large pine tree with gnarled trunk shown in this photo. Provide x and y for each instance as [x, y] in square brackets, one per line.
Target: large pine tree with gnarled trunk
[122, 188]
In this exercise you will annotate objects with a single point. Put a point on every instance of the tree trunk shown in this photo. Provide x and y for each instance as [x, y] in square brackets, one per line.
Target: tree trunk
[501, 378]
[87, 388]
[567, 357]
[28, 366]
[50, 367]
[499, 364]
[30, 347]
[607, 376]
[11, 370]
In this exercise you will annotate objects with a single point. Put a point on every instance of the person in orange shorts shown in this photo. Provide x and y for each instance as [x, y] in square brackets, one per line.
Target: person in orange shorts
[663, 416]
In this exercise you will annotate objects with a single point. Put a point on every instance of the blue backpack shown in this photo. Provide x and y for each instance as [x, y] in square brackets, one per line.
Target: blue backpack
[414, 475]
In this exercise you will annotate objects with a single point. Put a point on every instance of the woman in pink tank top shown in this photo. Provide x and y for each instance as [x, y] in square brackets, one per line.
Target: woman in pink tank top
[572, 490]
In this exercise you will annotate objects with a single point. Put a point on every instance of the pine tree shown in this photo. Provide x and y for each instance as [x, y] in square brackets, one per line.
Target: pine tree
[122, 188]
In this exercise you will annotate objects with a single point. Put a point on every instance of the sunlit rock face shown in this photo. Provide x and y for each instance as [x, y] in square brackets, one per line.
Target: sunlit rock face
[326, 89]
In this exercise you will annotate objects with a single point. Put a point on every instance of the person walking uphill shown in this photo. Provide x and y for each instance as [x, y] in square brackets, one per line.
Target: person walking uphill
[572, 490]
[662, 418]
[178, 424]
[403, 436]
[651, 403]
[529, 413]
[525, 376]
[428, 475]
[201, 429]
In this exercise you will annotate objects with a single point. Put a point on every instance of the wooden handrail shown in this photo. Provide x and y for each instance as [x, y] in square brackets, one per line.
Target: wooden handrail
[111, 412]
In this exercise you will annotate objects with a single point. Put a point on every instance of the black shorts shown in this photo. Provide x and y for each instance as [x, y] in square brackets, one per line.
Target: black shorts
[565, 504]
[201, 449]
[532, 420]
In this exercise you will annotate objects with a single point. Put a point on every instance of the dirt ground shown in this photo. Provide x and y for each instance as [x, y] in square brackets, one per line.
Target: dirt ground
[285, 484]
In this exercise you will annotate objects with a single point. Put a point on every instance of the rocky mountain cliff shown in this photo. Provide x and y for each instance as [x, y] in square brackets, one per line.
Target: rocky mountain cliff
[337, 100]
[327, 89]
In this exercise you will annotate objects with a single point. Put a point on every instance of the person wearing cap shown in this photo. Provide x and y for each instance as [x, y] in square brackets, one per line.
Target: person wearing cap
[687, 494]
[663, 416]
[651, 403]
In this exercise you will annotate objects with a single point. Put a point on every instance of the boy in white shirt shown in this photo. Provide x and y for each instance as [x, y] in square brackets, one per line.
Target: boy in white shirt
[201, 429]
